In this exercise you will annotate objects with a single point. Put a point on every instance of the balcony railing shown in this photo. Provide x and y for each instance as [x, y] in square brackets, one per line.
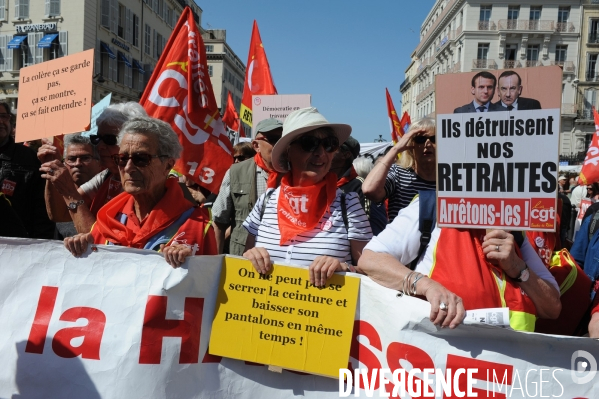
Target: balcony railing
[511, 64]
[592, 77]
[593, 38]
[567, 66]
[486, 25]
[532, 63]
[569, 109]
[566, 27]
[483, 64]
[527, 24]
[456, 68]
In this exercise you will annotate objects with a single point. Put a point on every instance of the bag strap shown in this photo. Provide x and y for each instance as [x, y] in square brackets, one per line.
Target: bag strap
[266, 199]
[346, 222]
[594, 225]
[426, 221]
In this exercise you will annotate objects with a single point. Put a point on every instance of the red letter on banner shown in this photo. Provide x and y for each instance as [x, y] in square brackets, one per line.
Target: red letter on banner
[157, 327]
[495, 372]
[417, 357]
[41, 320]
[91, 333]
[361, 353]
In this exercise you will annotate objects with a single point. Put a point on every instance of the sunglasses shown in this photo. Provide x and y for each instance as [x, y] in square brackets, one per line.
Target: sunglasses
[272, 140]
[108, 139]
[422, 139]
[140, 160]
[311, 143]
[72, 160]
[239, 158]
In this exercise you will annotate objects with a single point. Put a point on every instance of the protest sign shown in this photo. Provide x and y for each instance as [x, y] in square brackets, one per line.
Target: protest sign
[281, 319]
[276, 107]
[55, 97]
[497, 155]
[121, 323]
[96, 111]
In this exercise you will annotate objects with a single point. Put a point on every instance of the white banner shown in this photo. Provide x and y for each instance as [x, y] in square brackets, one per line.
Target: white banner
[121, 323]
[276, 106]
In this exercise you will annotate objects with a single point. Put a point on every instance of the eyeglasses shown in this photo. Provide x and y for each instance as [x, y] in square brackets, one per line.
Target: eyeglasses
[311, 143]
[422, 139]
[5, 117]
[239, 158]
[272, 140]
[72, 160]
[108, 139]
[140, 160]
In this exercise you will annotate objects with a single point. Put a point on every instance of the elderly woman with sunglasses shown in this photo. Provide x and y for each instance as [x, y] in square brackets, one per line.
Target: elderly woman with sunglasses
[416, 172]
[80, 204]
[307, 221]
[152, 212]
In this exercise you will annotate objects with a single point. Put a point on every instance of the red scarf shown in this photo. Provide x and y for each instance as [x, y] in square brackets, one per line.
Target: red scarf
[273, 176]
[346, 179]
[299, 209]
[166, 211]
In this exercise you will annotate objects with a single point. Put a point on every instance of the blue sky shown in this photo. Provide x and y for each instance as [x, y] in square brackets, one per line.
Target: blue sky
[343, 53]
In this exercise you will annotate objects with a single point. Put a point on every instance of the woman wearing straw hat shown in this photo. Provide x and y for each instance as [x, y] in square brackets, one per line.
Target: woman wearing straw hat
[302, 222]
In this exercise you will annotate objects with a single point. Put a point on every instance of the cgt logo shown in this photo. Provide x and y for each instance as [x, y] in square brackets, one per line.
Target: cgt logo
[583, 367]
[542, 213]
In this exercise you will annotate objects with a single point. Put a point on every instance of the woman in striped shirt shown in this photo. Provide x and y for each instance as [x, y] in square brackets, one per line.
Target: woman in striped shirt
[307, 220]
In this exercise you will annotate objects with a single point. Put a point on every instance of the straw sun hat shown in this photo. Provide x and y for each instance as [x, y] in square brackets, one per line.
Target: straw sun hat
[299, 122]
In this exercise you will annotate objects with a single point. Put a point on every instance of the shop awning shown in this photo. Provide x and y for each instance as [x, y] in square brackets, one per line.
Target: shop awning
[108, 51]
[138, 66]
[124, 59]
[47, 40]
[16, 41]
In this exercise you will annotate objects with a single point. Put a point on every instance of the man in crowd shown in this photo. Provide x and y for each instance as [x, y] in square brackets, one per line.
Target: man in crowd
[483, 90]
[347, 177]
[243, 184]
[510, 89]
[21, 183]
[81, 163]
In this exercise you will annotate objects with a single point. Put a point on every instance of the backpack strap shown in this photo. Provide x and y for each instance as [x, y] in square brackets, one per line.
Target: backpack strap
[346, 222]
[426, 221]
[266, 199]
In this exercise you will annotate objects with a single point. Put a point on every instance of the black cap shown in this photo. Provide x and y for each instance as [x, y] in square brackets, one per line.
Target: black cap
[352, 145]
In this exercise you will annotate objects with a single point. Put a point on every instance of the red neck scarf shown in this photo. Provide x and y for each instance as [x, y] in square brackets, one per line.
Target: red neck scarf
[346, 179]
[273, 176]
[166, 211]
[299, 209]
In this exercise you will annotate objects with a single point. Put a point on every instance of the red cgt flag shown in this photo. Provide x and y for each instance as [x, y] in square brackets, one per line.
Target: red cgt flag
[180, 92]
[230, 118]
[258, 79]
[394, 124]
[590, 167]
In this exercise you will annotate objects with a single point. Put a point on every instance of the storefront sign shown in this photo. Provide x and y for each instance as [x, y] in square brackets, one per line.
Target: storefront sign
[35, 27]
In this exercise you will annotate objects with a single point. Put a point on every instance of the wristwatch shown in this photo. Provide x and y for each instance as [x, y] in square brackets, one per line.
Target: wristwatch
[74, 204]
[524, 275]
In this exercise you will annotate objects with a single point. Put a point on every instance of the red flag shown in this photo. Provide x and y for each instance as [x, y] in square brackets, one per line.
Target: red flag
[58, 142]
[230, 118]
[241, 131]
[590, 170]
[394, 124]
[258, 79]
[180, 92]
[405, 121]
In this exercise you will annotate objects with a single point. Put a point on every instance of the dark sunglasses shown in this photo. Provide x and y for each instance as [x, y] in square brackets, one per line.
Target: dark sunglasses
[108, 139]
[138, 159]
[239, 158]
[311, 143]
[422, 139]
[272, 140]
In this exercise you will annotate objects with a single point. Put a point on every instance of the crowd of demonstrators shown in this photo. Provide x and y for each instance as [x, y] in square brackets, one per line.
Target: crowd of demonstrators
[22, 186]
[152, 213]
[84, 202]
[80, 164]
[242, 185]
[399, 184]
[307, 220]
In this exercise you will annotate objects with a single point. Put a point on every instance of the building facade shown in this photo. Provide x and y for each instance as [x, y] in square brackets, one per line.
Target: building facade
[227, 71]
[128, 37]
[473, 35]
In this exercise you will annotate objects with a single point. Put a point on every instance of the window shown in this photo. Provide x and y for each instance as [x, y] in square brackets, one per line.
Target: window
[5, 54]
[594, 31]
[155, 6]
[485, 16]
[591, 73]
[3, 11]
[534, 17]
[135, 38]
[167, 15]
[482, 55]
[105, 20]
[563, 13]
[147, 40]
[513, 12]
[52, 8]
[532, 55]
[210, 69]
[122, 21]
[22, 9]
[561, 51]
[209, 48]
[590, 99]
